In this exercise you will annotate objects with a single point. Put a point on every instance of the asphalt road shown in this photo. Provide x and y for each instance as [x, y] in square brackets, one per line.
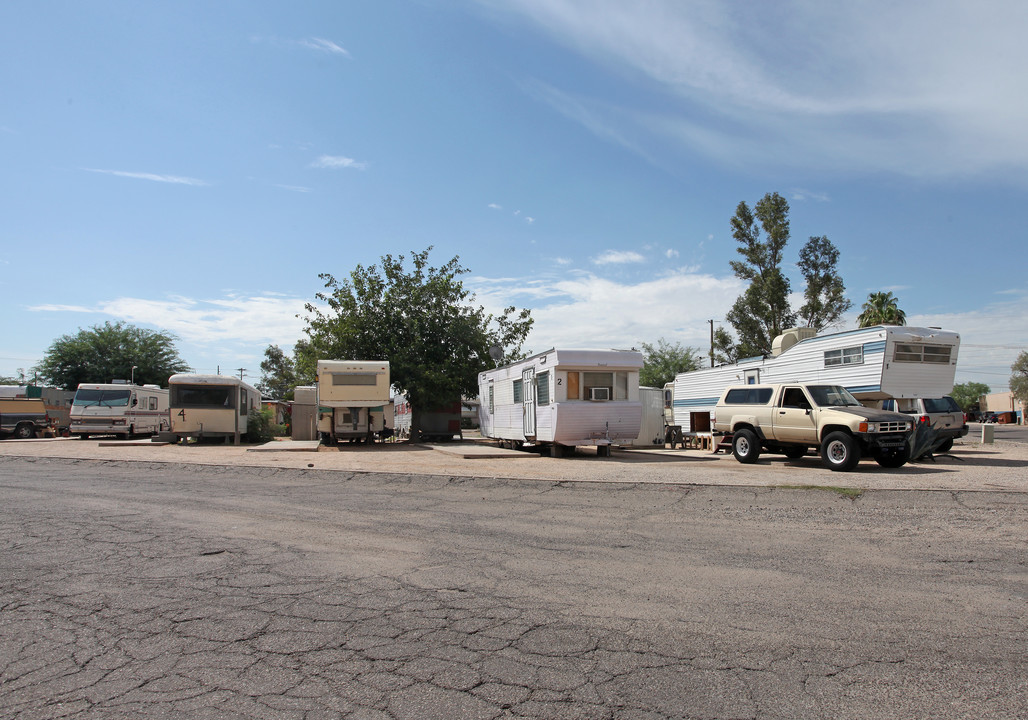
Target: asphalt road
[136, 590]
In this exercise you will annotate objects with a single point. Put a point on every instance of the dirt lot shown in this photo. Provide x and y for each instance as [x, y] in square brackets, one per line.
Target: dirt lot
[970, 466]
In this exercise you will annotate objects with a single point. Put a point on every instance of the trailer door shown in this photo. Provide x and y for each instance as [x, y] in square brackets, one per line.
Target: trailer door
[528, 397]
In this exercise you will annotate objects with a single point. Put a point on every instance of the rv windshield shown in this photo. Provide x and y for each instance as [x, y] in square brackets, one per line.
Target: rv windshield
[103, 398]
[832, 396]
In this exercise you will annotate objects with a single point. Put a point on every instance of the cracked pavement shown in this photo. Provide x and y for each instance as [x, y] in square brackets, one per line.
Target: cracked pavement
[151, 590]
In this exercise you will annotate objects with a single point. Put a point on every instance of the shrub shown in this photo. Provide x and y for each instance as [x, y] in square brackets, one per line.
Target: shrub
[258, 426]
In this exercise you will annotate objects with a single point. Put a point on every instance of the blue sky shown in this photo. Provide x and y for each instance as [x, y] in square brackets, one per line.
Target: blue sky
[193, 166]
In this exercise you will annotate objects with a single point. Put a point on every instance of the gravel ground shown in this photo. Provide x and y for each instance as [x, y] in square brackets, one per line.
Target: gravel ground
[1002, 466]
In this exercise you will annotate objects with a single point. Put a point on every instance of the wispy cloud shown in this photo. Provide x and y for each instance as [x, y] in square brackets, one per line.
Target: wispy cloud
[323, 45]
[801, 195]
[335, 162]
[174, 179]
[494, 206]
[294, 188]
[618, 257]
[871, 86]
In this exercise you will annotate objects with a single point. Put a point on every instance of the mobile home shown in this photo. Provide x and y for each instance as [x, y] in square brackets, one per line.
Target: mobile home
[563, 398]
[119, 409]
[354, 400]
[874, 364]
[211, 406]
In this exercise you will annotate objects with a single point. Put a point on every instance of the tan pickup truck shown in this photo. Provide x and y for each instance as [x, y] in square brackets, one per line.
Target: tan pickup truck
[790, 418]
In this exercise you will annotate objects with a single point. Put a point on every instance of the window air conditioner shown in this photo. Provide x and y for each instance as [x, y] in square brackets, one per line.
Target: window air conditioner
[599, 393]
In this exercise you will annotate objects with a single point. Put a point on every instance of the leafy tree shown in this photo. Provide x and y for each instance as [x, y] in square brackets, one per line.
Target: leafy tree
[278, 374]
[725, 350]
[825, 294]
[762, 312]
[419, 319]
[107, 352]
[881, 308]
[1019, 378]
[12, 380]
[968, 394]
[664, 361]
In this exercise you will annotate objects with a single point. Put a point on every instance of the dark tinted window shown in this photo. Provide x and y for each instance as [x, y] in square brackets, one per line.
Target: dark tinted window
[202, 396]
[941, 405]
[748, 396]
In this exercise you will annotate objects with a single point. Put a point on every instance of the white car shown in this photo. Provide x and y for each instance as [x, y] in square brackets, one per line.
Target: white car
[943, 413]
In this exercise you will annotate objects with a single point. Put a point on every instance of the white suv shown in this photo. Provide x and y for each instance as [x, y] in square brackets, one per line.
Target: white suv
[943, 413]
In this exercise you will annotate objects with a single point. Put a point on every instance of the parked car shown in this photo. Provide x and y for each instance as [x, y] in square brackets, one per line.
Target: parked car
[944, 415]
[791, 418]
[23, 417]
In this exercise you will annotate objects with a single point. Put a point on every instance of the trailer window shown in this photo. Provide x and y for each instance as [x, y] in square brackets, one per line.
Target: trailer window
[573, 385]
[916, 352]
[542, 383]
[153, 403]
[354, 379]
[592, 380]
[202, 396]
[845, 356]
[518, 398]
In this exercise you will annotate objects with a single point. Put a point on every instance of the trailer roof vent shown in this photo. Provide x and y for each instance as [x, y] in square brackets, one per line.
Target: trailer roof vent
[789, 338]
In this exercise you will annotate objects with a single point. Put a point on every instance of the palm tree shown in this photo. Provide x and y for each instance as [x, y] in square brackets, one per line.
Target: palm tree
[881, 308]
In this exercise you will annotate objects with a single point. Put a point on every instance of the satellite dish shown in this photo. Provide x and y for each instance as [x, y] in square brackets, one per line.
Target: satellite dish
[496, 353]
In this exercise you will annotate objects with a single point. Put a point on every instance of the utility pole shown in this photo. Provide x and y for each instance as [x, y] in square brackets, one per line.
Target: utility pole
[241, 371]
[711, 343]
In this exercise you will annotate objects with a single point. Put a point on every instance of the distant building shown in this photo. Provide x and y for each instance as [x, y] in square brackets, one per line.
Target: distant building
[999, 403]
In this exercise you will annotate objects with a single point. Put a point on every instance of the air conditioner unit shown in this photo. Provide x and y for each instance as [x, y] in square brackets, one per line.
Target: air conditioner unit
[599, 393]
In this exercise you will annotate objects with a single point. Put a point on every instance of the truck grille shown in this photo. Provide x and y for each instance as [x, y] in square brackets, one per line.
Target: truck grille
[892, 427]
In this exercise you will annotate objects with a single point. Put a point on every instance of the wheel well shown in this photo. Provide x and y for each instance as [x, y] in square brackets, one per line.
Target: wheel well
[829, 429]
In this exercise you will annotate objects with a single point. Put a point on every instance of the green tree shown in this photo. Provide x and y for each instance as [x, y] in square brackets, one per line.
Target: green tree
[108, 352]
[881, 308]
[664, 360]
[825, 294]
[967, 394]
[762, 312]
[278, 374]
[1019, 378]
[420, 319]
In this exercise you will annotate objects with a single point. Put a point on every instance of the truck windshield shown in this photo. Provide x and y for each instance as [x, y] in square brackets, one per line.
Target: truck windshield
[104, 398]
[832, 396]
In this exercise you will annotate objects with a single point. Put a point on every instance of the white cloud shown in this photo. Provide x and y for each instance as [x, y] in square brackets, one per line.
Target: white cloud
[618, 257]
[174, 179]
[261, 319]
[581, 309]
[876, 85]
[494, 206]
[335, 162]
[323, 45]
[671, 253]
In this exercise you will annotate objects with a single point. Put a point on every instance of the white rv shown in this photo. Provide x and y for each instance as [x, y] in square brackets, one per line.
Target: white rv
[874, 363]
[563, 398]
[354, 400]
[119, 409]
[211, 406]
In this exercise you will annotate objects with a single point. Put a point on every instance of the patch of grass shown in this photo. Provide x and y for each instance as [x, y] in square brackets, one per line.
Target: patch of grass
[847, 492]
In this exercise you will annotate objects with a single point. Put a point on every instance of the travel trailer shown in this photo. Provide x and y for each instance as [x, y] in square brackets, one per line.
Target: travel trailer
[563, 398]
[119, 409]
[354, 400]
[211, 406]
[873, 364]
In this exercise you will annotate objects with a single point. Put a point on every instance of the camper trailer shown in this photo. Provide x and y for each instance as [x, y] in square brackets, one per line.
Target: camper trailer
[873, 364]
[211, 406]
[354, 400]
[119, 409]
[563, 398]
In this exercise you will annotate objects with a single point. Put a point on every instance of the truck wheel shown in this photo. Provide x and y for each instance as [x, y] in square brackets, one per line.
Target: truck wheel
[25, 431]
[895, 459]
[794, 452]
[745, 446]
[840, 451]
[946, 446]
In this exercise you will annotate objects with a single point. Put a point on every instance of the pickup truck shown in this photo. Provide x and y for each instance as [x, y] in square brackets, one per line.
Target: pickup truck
[23, 417]
[790, 418]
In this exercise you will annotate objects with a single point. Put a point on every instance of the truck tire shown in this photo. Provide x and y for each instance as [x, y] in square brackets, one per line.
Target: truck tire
[946, 446]
[840, 452]
[894, 459]
[745, 446]
[25, 431]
